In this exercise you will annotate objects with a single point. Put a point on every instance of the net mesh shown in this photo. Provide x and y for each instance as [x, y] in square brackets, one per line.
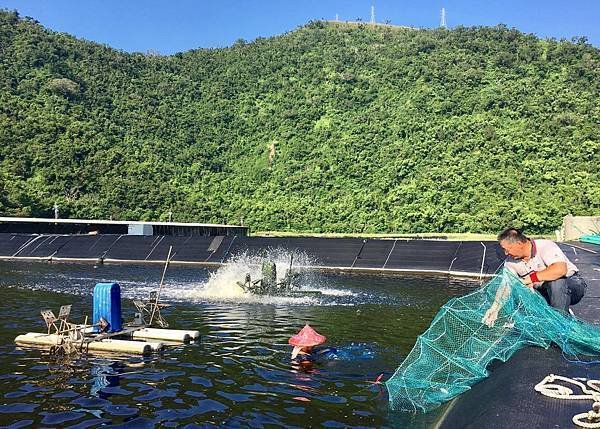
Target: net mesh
[469, 332]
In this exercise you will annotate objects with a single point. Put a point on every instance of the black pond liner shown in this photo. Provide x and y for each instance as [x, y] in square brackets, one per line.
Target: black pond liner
[507, 399]
[438, 256]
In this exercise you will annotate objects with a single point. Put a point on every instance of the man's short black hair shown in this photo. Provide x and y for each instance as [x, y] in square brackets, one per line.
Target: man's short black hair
[512, 235]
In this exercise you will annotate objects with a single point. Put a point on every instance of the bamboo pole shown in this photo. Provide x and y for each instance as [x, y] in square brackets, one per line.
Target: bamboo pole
[162, 280]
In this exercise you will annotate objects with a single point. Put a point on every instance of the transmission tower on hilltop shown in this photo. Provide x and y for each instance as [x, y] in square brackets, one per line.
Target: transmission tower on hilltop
[372, 14]
[443, 18]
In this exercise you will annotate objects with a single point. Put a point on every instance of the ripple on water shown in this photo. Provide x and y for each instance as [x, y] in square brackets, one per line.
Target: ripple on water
[194, 394]
[234, 397]
[21, 424]
[121, 410]
[115, 390]
[18, 407]
[91, 402]
[61, 417]
[97, 422]
[202, 381]
[138, 423]
[17, 394]
[66, 394]
[157, 394]
[210, 405]
[333, 424]
[295, 410]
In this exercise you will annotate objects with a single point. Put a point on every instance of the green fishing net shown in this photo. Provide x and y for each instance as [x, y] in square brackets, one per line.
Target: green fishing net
[469, 332]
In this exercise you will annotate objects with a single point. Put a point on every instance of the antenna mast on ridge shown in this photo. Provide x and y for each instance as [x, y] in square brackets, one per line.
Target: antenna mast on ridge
[443, 18]
[372, 14]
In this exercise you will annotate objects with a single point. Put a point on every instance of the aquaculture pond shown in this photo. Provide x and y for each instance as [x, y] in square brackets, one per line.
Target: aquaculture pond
[239, 374]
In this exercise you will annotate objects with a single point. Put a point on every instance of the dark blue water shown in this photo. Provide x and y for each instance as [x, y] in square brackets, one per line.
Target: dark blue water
[238, 375]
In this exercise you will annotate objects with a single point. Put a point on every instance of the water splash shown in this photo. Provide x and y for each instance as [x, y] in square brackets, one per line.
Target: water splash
[224, 283]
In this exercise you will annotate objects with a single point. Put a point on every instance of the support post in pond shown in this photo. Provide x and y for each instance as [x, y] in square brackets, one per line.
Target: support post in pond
[162, 280]
[160, 239]
[228, 248]
[59, 247]
[389, 254]
[482, 260]
[103, 257]
[455, 257]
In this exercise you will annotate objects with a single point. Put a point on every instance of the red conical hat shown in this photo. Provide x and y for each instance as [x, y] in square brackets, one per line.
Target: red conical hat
[307, 337]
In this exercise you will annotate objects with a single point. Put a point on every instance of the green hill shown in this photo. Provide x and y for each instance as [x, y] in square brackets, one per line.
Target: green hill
[328, 128]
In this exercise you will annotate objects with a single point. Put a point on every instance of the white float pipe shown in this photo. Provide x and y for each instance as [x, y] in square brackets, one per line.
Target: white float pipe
[105, 345]
[166, 334]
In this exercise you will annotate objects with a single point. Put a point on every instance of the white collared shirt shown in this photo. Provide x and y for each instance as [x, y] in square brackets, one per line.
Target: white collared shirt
[543, 254]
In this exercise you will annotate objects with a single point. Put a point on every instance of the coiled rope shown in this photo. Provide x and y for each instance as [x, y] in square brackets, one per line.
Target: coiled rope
[591, 391]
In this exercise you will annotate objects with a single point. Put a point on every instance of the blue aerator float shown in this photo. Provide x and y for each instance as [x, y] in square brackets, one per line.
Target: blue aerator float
[107, 307]
[107, 333]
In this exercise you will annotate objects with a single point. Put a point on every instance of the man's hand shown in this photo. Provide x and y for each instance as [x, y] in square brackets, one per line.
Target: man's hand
[527, 282]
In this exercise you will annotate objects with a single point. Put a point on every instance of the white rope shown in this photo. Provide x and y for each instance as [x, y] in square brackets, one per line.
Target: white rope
[591, 391]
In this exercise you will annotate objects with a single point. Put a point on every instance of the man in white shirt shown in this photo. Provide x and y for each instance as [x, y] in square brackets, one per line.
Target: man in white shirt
[542, 266]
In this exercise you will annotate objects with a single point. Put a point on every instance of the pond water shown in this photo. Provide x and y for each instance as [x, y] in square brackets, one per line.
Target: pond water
[239, 374]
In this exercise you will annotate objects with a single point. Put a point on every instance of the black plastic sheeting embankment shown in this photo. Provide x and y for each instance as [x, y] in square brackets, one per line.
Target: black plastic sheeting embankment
[87, 247]
[426, 255]
[507, 399]
[10, 244]
[45, 246]
[343, 253]
[328, 252]
[486, 256]
[183, 249]
[133, 247]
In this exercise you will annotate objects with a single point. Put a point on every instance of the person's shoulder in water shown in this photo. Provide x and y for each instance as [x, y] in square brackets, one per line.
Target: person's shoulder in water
[317, 353]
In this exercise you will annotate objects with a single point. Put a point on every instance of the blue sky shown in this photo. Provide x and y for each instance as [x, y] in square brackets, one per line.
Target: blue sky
[179, 25]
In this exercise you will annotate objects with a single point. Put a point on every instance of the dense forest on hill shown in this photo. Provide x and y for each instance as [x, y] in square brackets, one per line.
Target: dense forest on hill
[328, 128]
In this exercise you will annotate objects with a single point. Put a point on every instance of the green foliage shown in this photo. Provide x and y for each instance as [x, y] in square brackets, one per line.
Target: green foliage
[329, 128]
[63, 86]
